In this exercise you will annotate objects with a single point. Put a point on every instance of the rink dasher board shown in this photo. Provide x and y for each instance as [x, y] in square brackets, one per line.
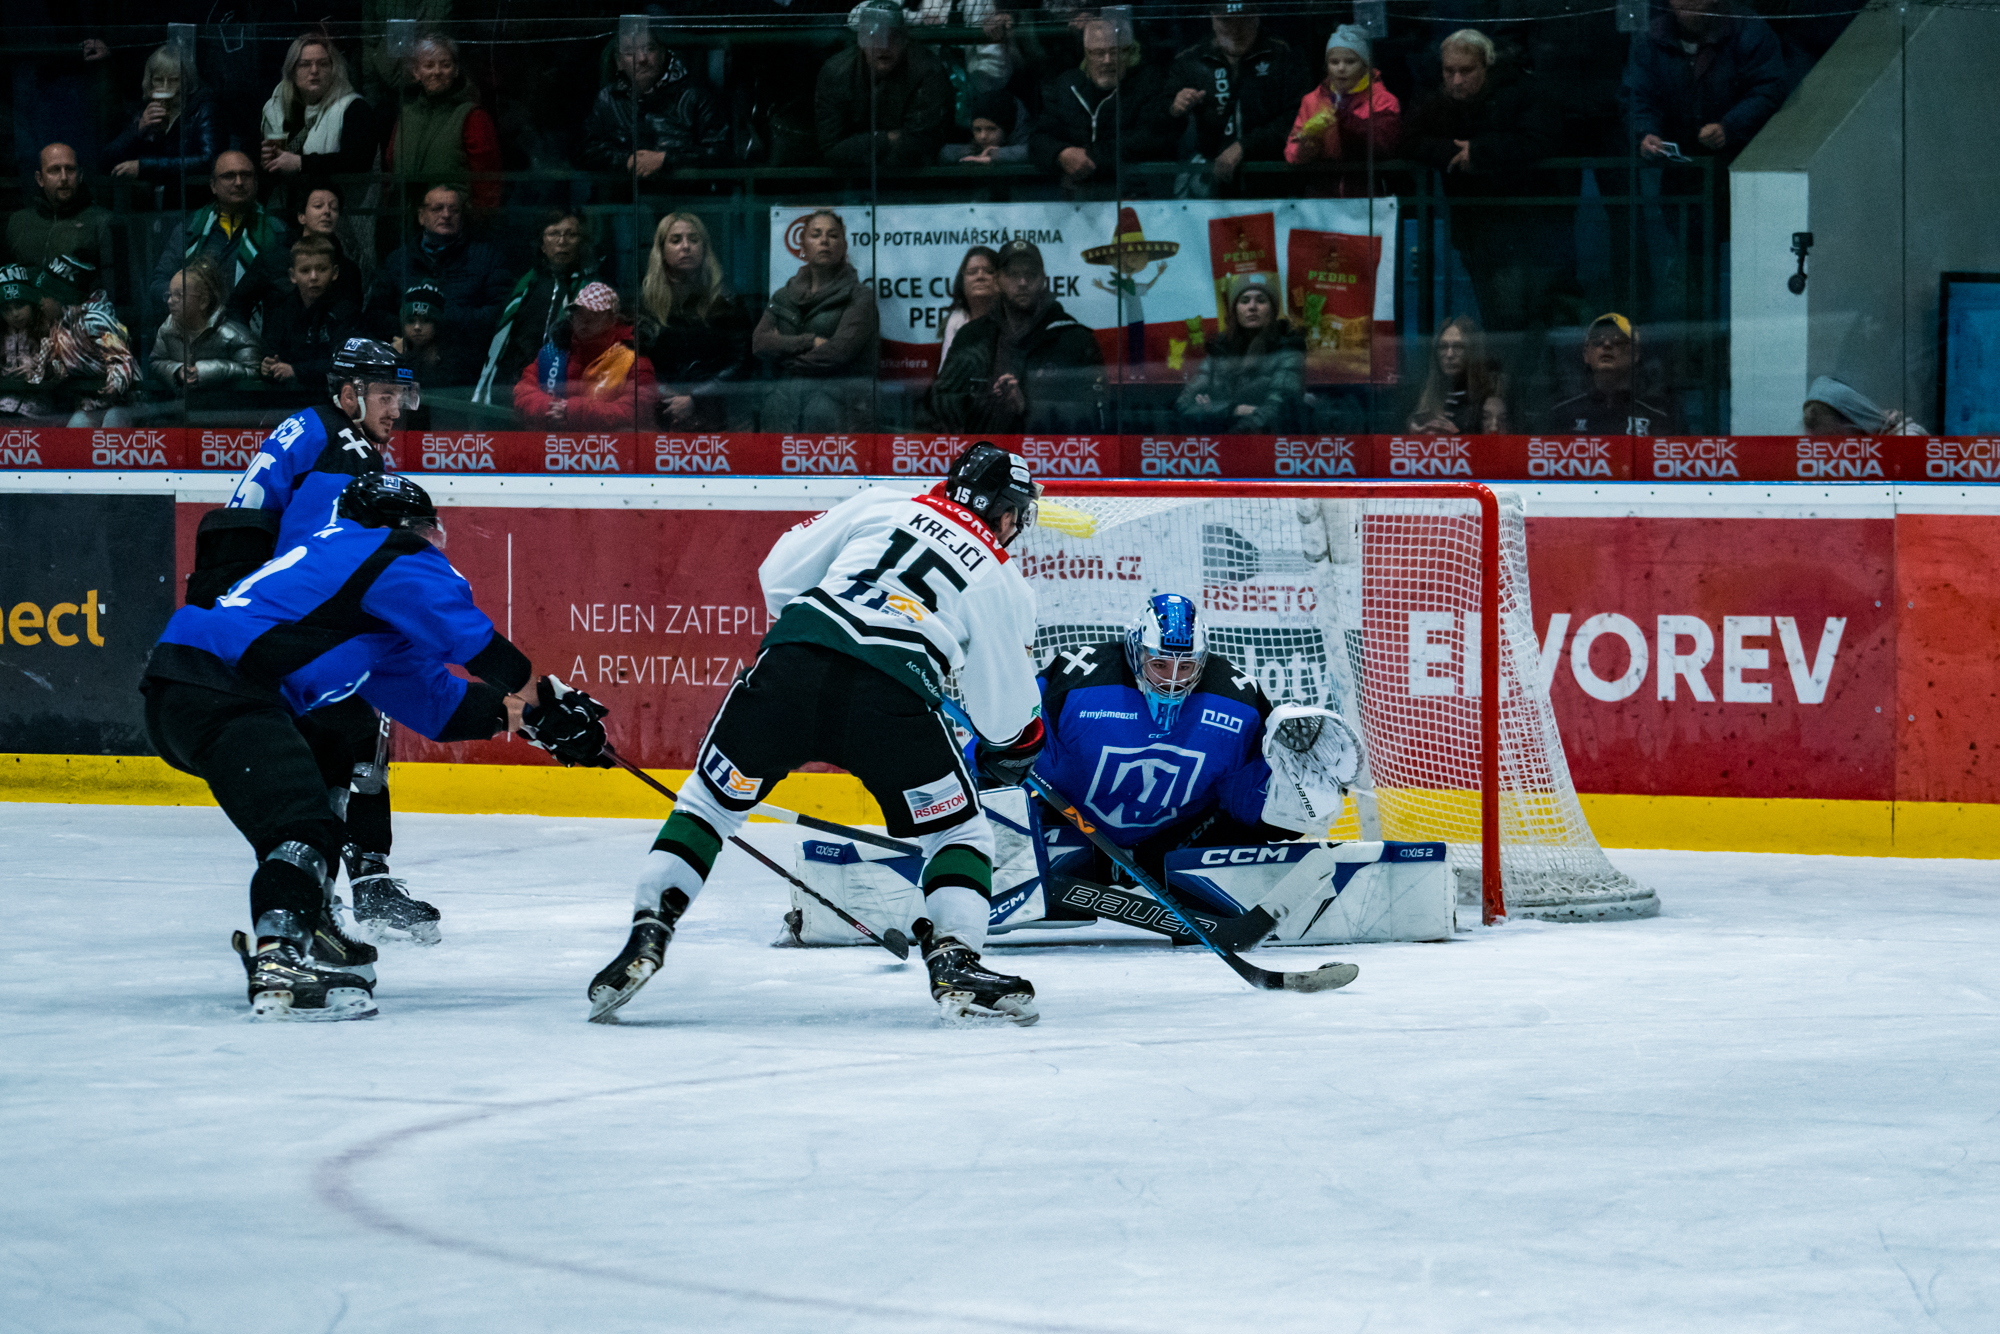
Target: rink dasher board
[1651, 500]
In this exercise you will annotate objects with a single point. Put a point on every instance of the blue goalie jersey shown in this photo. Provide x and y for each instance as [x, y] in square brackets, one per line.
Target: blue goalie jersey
[1106, 754]
[301, 469]
[348, 610]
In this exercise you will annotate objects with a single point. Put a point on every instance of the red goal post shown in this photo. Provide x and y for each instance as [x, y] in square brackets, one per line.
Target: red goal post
[1377, 599]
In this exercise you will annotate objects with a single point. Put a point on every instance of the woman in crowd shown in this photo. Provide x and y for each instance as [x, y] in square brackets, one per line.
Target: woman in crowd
[315, 122]
[1252, 382]
[442, 134]
[691, 326]
[973, 292]
[565, 263]
[821, 333]
[1349, 114]
[1464, 388]
[176, 132]
[199, 350]
[588, 377]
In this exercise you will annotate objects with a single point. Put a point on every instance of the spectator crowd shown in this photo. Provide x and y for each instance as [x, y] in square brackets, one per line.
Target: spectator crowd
[533, 222]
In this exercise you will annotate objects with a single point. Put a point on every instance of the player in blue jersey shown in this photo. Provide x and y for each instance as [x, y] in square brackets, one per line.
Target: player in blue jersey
[288, 490]
[1164, 744]
[362, 606]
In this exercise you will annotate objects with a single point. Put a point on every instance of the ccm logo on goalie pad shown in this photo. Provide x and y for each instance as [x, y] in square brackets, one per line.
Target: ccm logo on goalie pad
[716, 767]
[940, 799]
[1254, 856]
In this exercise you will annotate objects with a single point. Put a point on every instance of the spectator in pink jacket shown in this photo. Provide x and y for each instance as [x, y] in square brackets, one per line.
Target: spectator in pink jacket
[1348, 111]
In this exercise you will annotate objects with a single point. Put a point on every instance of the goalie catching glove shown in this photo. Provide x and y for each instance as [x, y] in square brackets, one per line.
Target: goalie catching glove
[1313, 755]
[564, 722]
[1007, 765]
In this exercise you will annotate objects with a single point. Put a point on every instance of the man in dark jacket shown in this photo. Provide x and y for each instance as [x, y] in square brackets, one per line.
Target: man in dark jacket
[1701, 80]
[653, 114]
[1609, 406]
[231, 233]
[1103, 114]
[471, 276]
[1485, 129]
[886, 101]
[1241, 88]
[1024, 366]
[60, 219]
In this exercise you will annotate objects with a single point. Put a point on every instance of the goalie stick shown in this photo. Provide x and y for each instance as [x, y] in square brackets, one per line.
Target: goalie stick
[1326, 977]
[891, 940]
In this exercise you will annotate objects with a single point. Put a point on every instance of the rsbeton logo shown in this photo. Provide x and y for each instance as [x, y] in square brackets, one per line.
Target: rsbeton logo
[128, 449]
[1430, 456]
[20, 449]
[819, 455]
[1839, 460]
[580, 453]
[467, 452]
[27, 625]
[925, 455]
[1974, 460]
[1322, 456]
[1180, 456]
[1569, 456]
[1067, 456]
[1283, 599]
[1707, 457]
[691, 454]
[229, 449]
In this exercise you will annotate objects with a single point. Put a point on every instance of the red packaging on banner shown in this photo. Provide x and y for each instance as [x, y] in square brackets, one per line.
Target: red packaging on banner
[1547, 458]
[1330, 294]
[1068, 455]
[1239, 245]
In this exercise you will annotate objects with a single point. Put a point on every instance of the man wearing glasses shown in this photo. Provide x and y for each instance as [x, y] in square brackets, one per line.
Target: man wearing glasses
[231, 232]
[1610, 406]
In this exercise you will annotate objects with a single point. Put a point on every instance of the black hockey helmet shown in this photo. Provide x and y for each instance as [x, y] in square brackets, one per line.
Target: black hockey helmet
[989, 481]
[363, 361]
[391, 500]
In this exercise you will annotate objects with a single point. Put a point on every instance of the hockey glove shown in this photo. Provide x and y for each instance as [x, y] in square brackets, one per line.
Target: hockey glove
[1007, 765]
[564, 722]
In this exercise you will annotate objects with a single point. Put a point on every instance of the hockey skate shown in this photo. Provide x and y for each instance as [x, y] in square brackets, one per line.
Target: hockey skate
[330, 947]
[645, 950]
[285, 984]
[967, 992]
[382, 904]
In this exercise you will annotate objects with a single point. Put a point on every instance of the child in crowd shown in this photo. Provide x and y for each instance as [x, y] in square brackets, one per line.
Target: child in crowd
[419, 342]
[85, 364]
[304, 325]
[997, 122]
[21, 334]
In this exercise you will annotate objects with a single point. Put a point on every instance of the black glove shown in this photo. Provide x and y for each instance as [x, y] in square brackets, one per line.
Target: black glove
[1007, 765]
[564, 723]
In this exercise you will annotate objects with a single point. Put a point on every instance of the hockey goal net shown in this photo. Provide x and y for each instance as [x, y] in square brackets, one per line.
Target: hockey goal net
[1375, 600]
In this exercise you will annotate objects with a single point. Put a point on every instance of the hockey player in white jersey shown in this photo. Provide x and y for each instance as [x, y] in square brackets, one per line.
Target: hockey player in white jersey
[875, 604]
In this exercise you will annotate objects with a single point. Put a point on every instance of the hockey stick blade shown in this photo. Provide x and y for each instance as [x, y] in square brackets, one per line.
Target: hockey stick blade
[891, 940]
[800, 819]
[1326, 977]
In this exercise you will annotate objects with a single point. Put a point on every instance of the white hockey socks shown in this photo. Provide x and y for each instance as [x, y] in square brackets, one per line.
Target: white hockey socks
[687, 846]
[958, 879]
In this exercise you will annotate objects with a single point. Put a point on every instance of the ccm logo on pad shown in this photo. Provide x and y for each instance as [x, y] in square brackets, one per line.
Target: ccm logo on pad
[1242, 856]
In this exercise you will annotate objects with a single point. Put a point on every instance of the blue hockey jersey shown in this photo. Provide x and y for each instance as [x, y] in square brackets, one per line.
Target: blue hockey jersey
[1105, 753]
[350, 610]
[301, 469]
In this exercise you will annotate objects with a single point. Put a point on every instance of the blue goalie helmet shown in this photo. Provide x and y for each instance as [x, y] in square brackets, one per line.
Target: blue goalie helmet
[1167, 647]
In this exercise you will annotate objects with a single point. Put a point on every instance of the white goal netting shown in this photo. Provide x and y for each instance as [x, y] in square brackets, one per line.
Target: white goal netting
[1369, 606]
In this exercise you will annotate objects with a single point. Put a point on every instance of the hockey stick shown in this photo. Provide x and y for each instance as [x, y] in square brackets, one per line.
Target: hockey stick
[1324, 978]
[891, 940]
[803, 821]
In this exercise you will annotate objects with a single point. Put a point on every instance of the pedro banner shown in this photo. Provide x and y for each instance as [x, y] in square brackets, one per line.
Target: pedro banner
[1152, 279]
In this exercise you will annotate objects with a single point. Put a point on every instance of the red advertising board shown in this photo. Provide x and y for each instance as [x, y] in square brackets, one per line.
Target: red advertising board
[1781, 458]
[90, 447]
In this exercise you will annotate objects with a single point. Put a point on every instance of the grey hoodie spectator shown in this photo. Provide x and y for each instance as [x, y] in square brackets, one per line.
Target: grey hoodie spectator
[1703, 80]
[652, 114]
[886, 101]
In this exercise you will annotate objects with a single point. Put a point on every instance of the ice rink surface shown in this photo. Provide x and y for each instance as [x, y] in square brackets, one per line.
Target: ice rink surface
[1776, 1107]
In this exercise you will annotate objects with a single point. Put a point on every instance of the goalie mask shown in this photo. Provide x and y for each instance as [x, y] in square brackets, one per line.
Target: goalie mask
[1167, 647]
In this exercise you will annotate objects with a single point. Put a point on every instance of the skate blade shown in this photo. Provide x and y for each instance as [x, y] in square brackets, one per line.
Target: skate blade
[605, 1000]
[379, 932]
[959, 1009]
[341, 1003]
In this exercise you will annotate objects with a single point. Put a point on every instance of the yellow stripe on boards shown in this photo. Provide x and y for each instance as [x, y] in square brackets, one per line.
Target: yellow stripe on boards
[1723, 824]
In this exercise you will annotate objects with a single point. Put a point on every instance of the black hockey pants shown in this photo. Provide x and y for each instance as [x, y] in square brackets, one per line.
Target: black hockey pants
[350, 728]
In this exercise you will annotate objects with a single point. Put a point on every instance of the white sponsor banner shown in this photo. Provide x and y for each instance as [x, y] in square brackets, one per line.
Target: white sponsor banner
[911, 253]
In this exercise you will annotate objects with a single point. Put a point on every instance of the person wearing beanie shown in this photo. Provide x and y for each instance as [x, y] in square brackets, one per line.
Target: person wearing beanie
[1348, 117]
[85, 367]
[588, 377]
[1835, 408]
[22, 330]
[1252, 382]
[1238, 88]
[999, 132]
